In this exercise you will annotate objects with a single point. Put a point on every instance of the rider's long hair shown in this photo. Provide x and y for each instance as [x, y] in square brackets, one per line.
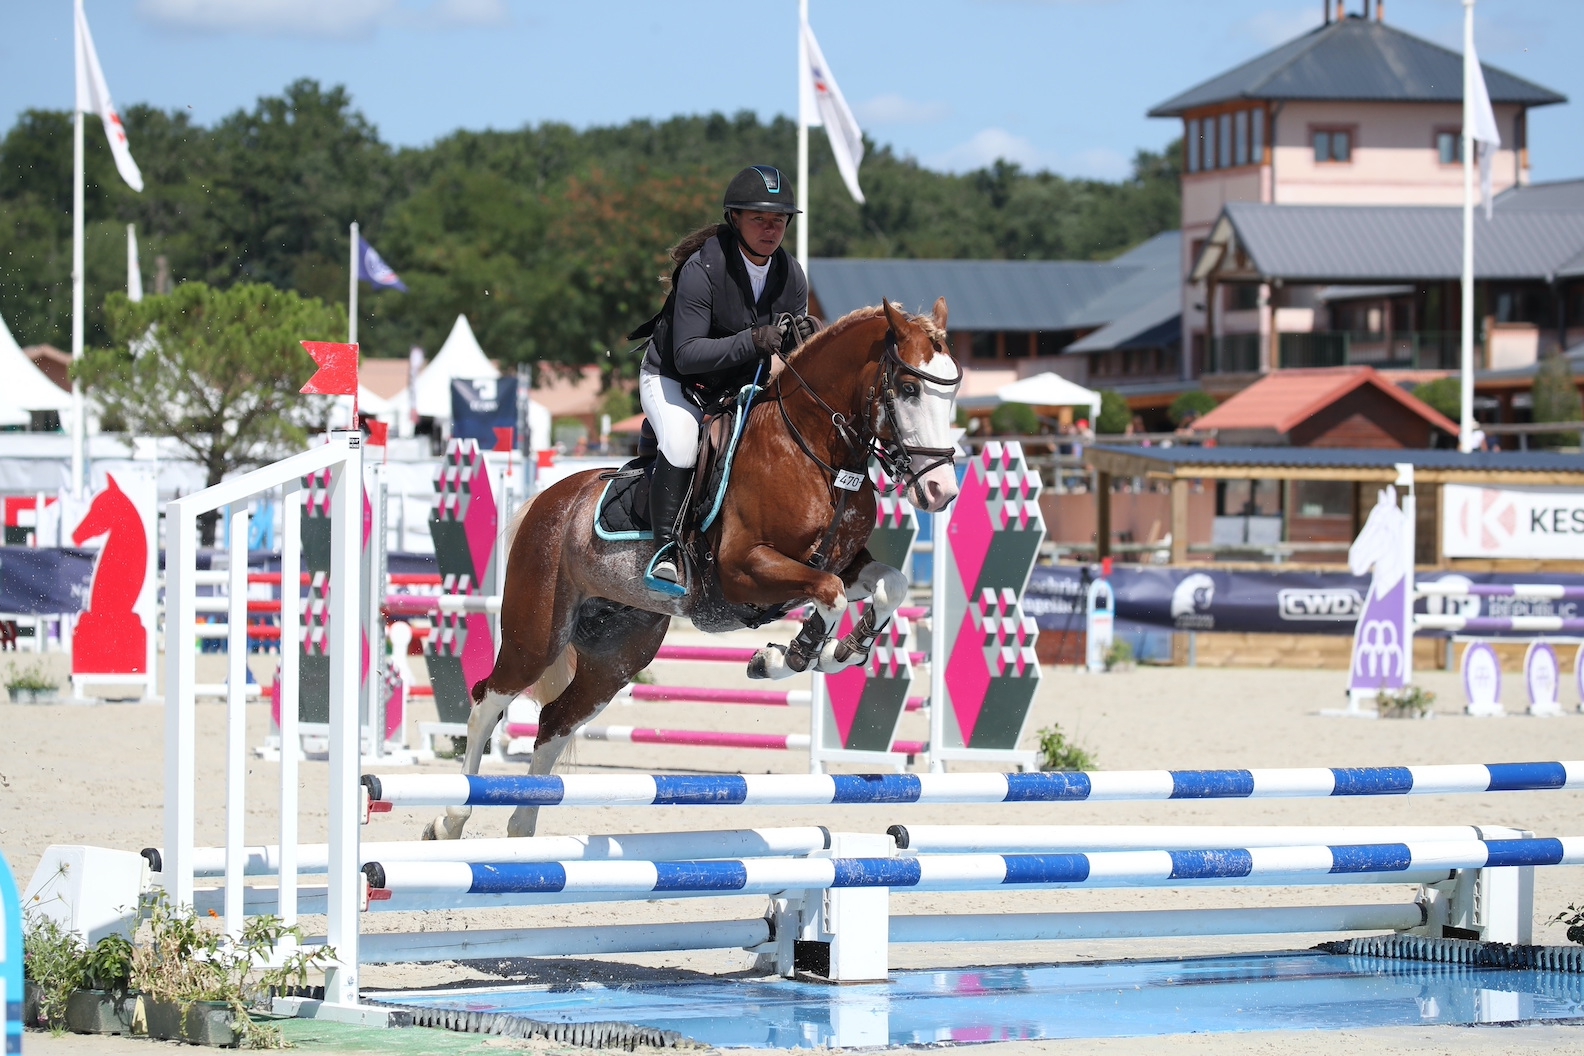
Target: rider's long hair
[691, 245]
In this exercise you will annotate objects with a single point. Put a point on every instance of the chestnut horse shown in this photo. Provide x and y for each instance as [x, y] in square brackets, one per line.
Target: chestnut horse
[577, 622]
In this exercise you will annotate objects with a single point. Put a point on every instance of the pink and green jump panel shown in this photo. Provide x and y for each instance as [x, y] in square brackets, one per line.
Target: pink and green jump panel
[464, 522]
[991, 541]
[602, 790]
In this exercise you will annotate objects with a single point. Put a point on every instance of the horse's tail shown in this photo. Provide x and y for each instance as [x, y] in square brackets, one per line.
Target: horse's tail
[563, 668]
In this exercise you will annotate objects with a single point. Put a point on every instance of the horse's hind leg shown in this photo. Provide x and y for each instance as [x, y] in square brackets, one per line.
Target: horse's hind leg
[483, 721]
[613, 646]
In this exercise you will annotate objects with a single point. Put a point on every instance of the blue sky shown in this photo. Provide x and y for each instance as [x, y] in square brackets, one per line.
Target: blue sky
[1058, 84]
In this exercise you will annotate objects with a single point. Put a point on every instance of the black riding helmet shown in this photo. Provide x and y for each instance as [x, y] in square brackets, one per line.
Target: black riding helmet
[762, 189]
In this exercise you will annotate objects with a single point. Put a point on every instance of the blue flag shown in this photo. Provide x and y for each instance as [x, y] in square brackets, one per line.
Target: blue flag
[373, 269]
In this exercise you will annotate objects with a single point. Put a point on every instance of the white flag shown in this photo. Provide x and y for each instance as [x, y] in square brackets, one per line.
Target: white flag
[1483, 131]
[93, 97]
[822, 104]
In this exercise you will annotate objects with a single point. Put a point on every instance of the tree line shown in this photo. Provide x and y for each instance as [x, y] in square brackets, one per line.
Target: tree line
[550, 239]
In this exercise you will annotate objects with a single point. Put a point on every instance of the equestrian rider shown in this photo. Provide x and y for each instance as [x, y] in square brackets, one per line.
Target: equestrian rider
[731, 291]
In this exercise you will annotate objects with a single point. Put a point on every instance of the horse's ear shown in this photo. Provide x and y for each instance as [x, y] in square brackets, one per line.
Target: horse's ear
[895, 317]
[939, 312]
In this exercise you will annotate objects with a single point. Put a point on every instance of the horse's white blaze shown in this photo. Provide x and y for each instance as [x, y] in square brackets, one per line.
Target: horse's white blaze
[926, 422]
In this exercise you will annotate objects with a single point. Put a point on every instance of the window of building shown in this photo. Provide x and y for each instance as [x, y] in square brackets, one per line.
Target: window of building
[1209, 143]
[1248, 498]
[1257, 135]
[1323, 498]
[1051, 342]
[984, 345]
[1225, 137]
[1449, 146]
[1191, 145]
[1241, 296]
[1333, 146]
[1017, 343]
[1242, 133]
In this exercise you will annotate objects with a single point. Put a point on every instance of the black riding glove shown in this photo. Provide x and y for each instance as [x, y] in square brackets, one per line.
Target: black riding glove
[804, 327]
[767, 339]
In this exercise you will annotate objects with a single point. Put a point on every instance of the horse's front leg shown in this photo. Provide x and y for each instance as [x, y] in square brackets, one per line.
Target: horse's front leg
[885, 588]
[769, 574]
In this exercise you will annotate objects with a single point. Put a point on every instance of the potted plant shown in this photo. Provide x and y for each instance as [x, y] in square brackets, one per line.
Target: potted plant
[1410, 702]
[199, 985]
[107, 1004]
[52, 964]
[31, 684]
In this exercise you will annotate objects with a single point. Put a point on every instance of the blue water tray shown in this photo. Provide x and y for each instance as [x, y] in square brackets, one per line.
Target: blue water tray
[1282, 991]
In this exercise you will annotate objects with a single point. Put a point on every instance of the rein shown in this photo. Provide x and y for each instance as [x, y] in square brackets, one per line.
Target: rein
[893, 453]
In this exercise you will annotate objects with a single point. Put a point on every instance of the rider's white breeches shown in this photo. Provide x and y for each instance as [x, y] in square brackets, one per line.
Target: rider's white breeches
[675, 420]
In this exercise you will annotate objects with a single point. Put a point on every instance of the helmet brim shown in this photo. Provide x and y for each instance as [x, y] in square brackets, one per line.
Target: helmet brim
[763, 207]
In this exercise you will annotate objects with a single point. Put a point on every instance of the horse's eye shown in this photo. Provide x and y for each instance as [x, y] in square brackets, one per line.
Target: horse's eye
[910, 390]
[938, 347]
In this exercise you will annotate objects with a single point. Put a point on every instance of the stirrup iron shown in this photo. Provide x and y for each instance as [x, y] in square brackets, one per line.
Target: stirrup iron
[665, 586]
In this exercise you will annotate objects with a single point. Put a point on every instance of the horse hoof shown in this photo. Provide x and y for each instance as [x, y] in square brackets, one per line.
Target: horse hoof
[759, 666]
[429, 832]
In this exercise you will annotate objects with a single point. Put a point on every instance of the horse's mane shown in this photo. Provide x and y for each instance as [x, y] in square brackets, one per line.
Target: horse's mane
[859, 316]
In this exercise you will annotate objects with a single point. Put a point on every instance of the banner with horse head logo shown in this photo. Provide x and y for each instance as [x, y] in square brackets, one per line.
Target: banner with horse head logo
[1383, 638]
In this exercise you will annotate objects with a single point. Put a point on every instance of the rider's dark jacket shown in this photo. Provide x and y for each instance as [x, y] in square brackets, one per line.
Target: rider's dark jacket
[703, 336]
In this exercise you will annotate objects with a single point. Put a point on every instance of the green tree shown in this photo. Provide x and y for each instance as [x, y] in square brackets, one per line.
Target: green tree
[218, 370]
[1014, 419]
[1555, 396]
[1189, 404]
[1115, 416]
[1444, 395]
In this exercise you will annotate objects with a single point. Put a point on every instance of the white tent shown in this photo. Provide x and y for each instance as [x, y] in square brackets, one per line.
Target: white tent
[26, 387]
[459, 357]
[1051, 390]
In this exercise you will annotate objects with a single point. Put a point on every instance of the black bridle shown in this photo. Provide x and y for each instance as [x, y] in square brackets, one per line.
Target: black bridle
[893, 453]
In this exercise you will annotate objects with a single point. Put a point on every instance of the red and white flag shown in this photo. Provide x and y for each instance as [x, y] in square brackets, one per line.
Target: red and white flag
[822, 104]
[93, 97]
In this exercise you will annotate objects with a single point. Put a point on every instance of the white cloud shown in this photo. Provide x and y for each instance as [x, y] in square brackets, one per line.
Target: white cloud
[989, 145]
[339, 19]
[1270, 28]
[985, 148]
[894, 109]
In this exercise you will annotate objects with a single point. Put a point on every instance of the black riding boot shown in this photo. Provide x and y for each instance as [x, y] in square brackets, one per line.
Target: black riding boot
[667, 489]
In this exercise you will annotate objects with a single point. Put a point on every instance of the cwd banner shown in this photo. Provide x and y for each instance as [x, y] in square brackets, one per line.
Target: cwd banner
[1544, 523]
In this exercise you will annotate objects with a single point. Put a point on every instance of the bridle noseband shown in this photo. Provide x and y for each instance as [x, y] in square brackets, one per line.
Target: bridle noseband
[893, 453]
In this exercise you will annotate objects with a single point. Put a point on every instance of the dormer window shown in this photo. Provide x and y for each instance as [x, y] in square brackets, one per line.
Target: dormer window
[1333, 146]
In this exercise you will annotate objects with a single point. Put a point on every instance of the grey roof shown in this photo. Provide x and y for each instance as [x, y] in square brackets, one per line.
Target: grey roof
[1150, 325]
[1354, 458]
[1560, 196]
[1044, 295]
[1358, 61]
[1386, 244]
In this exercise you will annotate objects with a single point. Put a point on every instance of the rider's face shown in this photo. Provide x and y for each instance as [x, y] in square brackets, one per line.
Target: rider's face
[761, 233]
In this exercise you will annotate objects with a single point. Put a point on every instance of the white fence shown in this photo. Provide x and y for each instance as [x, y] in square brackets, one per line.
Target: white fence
[343, 457]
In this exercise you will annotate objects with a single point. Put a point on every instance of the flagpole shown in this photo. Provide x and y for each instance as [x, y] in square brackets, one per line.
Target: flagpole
[1466, 389]
[352, 287]
[76, 482]
[802, 144]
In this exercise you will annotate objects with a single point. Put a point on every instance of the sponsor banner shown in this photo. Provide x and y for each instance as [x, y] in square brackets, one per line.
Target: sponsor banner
[1512, 522]
[1261, 602]
[481, 406]
[45, 581]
